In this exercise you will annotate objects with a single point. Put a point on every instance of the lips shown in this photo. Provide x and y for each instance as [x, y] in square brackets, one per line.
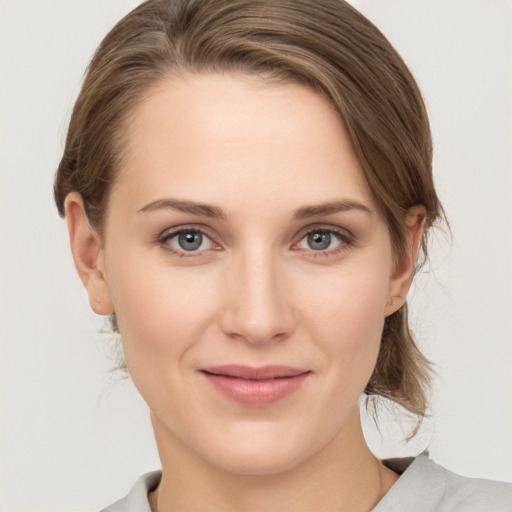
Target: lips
[255, 387]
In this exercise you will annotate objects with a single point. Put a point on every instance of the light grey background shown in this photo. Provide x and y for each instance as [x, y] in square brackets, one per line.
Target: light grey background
[71, 439]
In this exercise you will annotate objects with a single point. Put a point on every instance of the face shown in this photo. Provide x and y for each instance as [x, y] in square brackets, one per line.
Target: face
[250, 271]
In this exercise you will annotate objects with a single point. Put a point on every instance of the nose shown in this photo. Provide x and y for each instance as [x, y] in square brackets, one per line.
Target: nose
[257, 304]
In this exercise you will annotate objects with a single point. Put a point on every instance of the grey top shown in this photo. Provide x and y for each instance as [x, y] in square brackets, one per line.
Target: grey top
[423, 486]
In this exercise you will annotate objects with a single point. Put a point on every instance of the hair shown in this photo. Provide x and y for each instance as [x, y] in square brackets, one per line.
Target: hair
[326, 45]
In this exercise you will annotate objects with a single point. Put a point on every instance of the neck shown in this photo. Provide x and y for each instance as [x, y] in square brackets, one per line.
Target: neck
[345, 475]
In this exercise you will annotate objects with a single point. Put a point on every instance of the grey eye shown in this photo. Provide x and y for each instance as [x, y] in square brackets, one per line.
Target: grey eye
[319, 240]
[190, 240]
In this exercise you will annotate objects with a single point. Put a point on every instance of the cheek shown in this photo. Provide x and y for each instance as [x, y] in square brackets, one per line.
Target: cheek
[350, 300]
[349, 319]
[159, 311]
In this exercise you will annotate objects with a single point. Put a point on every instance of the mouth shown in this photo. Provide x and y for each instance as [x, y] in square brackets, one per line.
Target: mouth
[255, 387]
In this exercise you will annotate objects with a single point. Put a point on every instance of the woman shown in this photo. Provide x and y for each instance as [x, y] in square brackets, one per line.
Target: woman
[247, 187]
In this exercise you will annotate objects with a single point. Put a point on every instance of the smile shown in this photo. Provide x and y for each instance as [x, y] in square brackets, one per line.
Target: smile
[255, 387]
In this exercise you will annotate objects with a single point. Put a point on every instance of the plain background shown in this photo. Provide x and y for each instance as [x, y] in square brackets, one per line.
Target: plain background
[74, 439]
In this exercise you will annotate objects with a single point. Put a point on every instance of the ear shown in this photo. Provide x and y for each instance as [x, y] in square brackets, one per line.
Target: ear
[88, 254]
[403, 273]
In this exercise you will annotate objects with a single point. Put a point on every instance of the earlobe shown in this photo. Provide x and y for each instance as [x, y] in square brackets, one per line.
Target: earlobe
[403, 275]
[87, 254]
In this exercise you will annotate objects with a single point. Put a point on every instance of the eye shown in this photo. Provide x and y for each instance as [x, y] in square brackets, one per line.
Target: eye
[321, 240]
[188, 240]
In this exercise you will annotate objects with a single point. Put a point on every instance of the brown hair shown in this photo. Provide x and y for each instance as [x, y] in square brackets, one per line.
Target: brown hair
[326, 45]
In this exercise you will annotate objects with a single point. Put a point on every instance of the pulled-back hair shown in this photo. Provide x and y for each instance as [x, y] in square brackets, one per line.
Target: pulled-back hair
[326, 45]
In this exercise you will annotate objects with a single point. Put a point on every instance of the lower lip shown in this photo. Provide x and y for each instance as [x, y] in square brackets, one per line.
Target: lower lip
[256, 393]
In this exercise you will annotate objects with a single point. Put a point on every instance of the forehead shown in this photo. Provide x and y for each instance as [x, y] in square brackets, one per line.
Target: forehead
[222, 137]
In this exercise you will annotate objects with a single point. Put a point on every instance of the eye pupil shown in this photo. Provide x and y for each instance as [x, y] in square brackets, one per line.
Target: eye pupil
[319, 240]
[190, 240]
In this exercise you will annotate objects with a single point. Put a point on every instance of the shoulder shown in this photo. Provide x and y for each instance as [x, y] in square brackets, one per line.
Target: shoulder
[137, 498]
[428, 487]
[477, 494]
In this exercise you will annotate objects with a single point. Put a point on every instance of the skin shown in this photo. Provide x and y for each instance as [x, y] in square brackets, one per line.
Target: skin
[255, 293]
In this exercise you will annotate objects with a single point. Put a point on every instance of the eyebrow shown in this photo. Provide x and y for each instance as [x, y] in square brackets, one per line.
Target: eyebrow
[215, 212]
[329, 208]
[192, 207]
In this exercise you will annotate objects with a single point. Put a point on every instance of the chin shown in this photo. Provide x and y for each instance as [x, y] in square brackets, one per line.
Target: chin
[262, 463]
[259, 451]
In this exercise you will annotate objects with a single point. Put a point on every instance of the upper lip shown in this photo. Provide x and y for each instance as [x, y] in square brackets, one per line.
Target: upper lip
[254, 373]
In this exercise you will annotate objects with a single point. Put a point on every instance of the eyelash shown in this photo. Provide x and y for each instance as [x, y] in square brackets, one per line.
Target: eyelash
[165, 237]
[345, 241]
